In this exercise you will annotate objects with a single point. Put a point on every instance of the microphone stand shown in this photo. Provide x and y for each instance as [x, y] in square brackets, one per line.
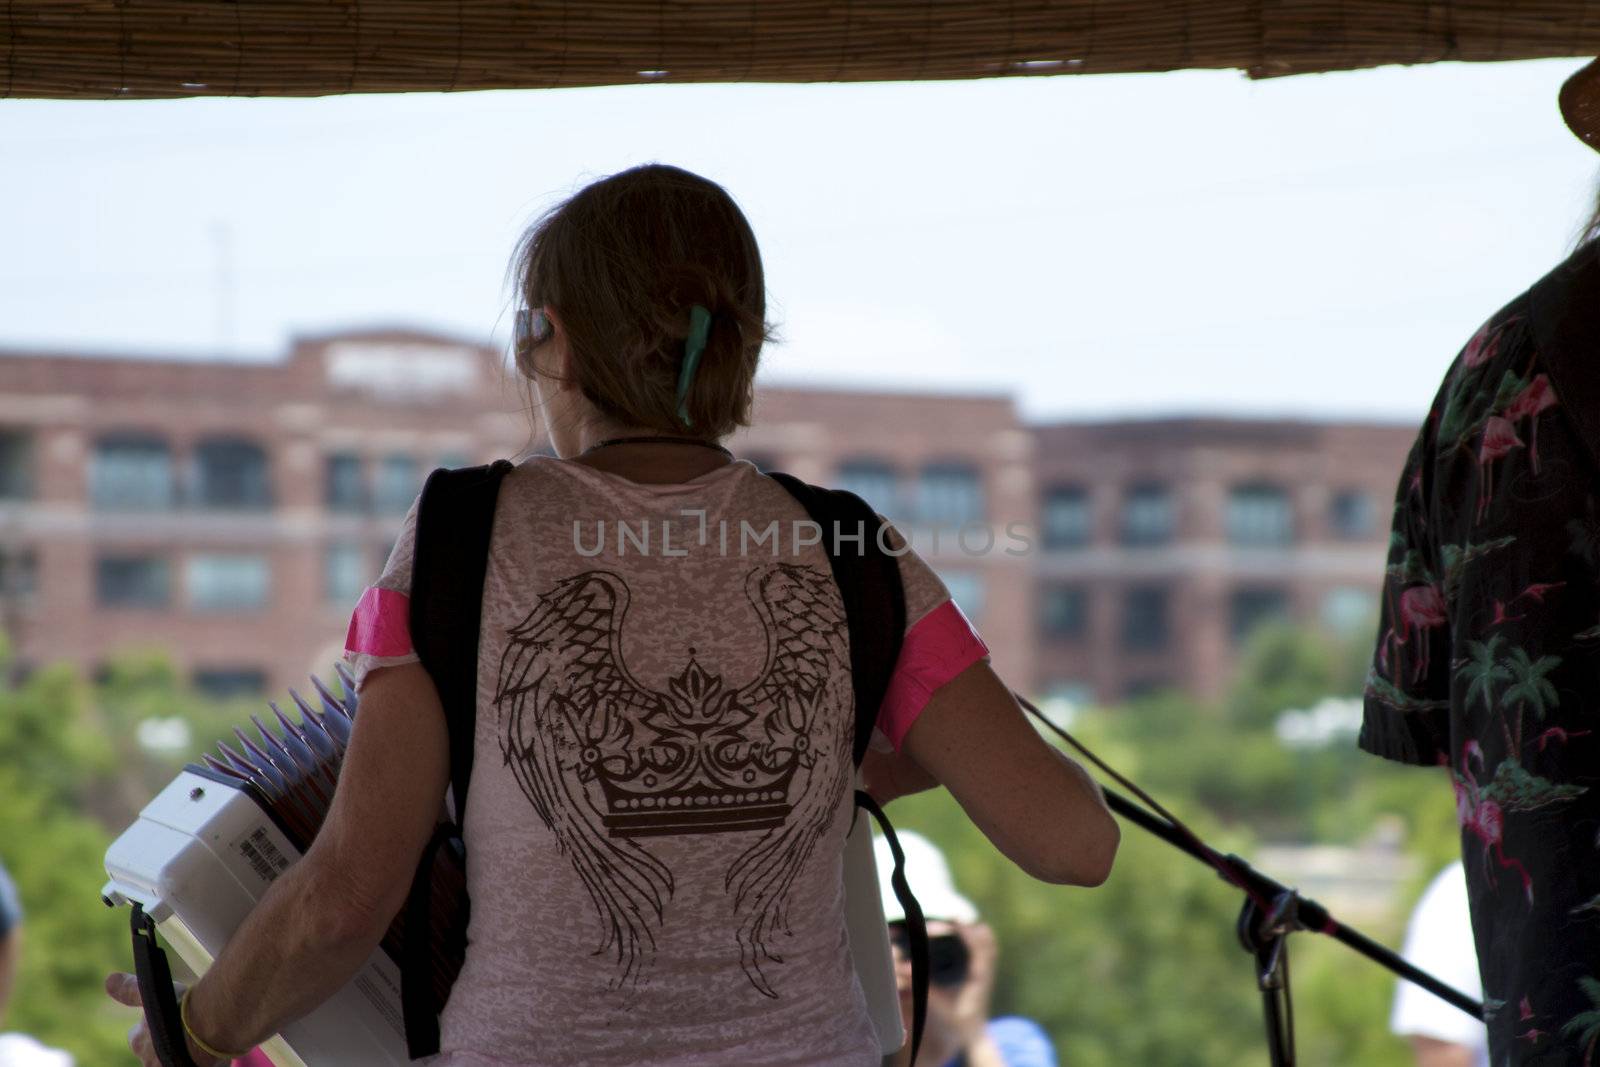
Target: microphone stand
[1265, 932]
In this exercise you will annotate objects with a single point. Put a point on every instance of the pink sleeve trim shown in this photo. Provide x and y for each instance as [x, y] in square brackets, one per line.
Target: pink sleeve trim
[940, 646]
[381, 625]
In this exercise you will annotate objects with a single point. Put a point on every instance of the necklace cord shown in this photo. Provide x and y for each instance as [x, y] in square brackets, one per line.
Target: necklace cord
[657, 439]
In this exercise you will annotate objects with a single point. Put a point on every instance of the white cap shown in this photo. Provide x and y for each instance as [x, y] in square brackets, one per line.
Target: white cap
[929, 877]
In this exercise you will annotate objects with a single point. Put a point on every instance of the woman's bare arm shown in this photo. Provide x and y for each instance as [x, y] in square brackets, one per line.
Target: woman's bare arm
[1038, 807]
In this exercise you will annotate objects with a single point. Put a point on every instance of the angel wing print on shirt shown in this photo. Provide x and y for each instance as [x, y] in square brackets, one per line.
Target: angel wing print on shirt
[608, 764]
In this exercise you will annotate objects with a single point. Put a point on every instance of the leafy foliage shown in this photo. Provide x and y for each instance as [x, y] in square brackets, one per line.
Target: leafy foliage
[1145, 969]
[73, 775]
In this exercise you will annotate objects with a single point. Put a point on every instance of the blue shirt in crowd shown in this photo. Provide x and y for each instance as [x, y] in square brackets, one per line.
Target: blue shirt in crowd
[1022, 1043]
[10, 906]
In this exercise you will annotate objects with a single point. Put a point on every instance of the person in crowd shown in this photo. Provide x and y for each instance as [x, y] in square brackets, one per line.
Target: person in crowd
[1439, 940]
[17, 1050]
[617, 682]
[960, 1030]
[1486, 660]
[10, 939]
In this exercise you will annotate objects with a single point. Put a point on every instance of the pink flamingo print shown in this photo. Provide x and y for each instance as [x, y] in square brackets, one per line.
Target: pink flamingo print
[1421, 609]
[1536, 397]
[1502, 616]
[1499, 438]
[1483, 818]
[1481, 348]
[1537, 591]
[1560, 736]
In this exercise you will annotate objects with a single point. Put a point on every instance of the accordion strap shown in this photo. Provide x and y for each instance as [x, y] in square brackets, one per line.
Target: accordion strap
[155, 990]
[916, 925]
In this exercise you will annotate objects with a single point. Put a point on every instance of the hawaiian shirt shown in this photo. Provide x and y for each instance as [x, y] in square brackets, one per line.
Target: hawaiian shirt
[1488, 655]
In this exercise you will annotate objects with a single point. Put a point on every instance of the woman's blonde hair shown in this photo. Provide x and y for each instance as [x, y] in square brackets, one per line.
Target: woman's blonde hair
[621, 263]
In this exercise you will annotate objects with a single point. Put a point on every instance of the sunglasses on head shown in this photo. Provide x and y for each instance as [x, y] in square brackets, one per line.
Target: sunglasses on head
[948, 958]
[532, 328]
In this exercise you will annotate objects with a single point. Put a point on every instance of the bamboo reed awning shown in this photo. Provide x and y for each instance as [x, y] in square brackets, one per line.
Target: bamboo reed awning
[170, 48]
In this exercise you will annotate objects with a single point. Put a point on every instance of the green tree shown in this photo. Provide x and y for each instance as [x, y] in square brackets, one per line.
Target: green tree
[73, 775]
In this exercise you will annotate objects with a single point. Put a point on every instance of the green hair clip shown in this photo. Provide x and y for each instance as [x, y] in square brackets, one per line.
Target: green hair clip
[693, 346]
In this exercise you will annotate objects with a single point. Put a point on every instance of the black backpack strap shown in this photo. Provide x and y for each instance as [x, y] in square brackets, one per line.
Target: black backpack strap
[455, 518]
[868, 578]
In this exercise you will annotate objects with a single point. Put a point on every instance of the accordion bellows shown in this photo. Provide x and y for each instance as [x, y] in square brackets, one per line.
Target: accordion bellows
[296, 770]
[208, 846]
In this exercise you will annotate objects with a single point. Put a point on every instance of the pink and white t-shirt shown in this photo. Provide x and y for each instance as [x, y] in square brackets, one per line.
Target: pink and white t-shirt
[662, 781]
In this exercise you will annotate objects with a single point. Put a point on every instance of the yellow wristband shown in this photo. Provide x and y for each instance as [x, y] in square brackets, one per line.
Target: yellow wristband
[183, 1017]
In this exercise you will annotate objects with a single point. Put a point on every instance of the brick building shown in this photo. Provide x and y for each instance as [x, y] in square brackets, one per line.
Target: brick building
[1165, 541]
[231, 513]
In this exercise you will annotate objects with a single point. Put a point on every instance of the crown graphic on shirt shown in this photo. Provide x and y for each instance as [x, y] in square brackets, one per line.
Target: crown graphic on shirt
[713, 765]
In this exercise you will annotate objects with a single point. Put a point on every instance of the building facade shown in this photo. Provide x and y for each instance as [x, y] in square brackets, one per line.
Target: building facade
[1166, 541]
[230, 514]
[226, 514]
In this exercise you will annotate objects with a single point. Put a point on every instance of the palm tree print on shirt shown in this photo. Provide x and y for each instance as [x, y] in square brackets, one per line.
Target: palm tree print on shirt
[1487, 660]
[1584, 1027]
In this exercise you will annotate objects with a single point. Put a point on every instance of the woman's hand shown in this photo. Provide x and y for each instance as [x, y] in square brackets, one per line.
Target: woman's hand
[124, 989]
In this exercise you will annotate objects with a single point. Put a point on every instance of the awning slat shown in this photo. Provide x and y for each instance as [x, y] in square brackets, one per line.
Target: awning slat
[175, 48]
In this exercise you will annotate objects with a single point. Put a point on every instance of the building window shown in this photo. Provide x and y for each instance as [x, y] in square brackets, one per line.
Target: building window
[872, 480]
[226, 683]
[397, 484]
[230, 474]
[1352, 515]
[344, 573]
[229, 582]
[19, 576]
[967, 590]
[1250, 608]
[1260, 516]
[132, 581]
[950, 493]
[1145, 623]
[131, 472]
[1350, 609]
[1068, 521]
[1147, 516]
[344, 485]
[1064, 611]
[16, 465]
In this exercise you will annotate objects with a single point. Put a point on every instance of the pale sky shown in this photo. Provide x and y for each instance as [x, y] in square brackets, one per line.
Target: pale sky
[1093, 245]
